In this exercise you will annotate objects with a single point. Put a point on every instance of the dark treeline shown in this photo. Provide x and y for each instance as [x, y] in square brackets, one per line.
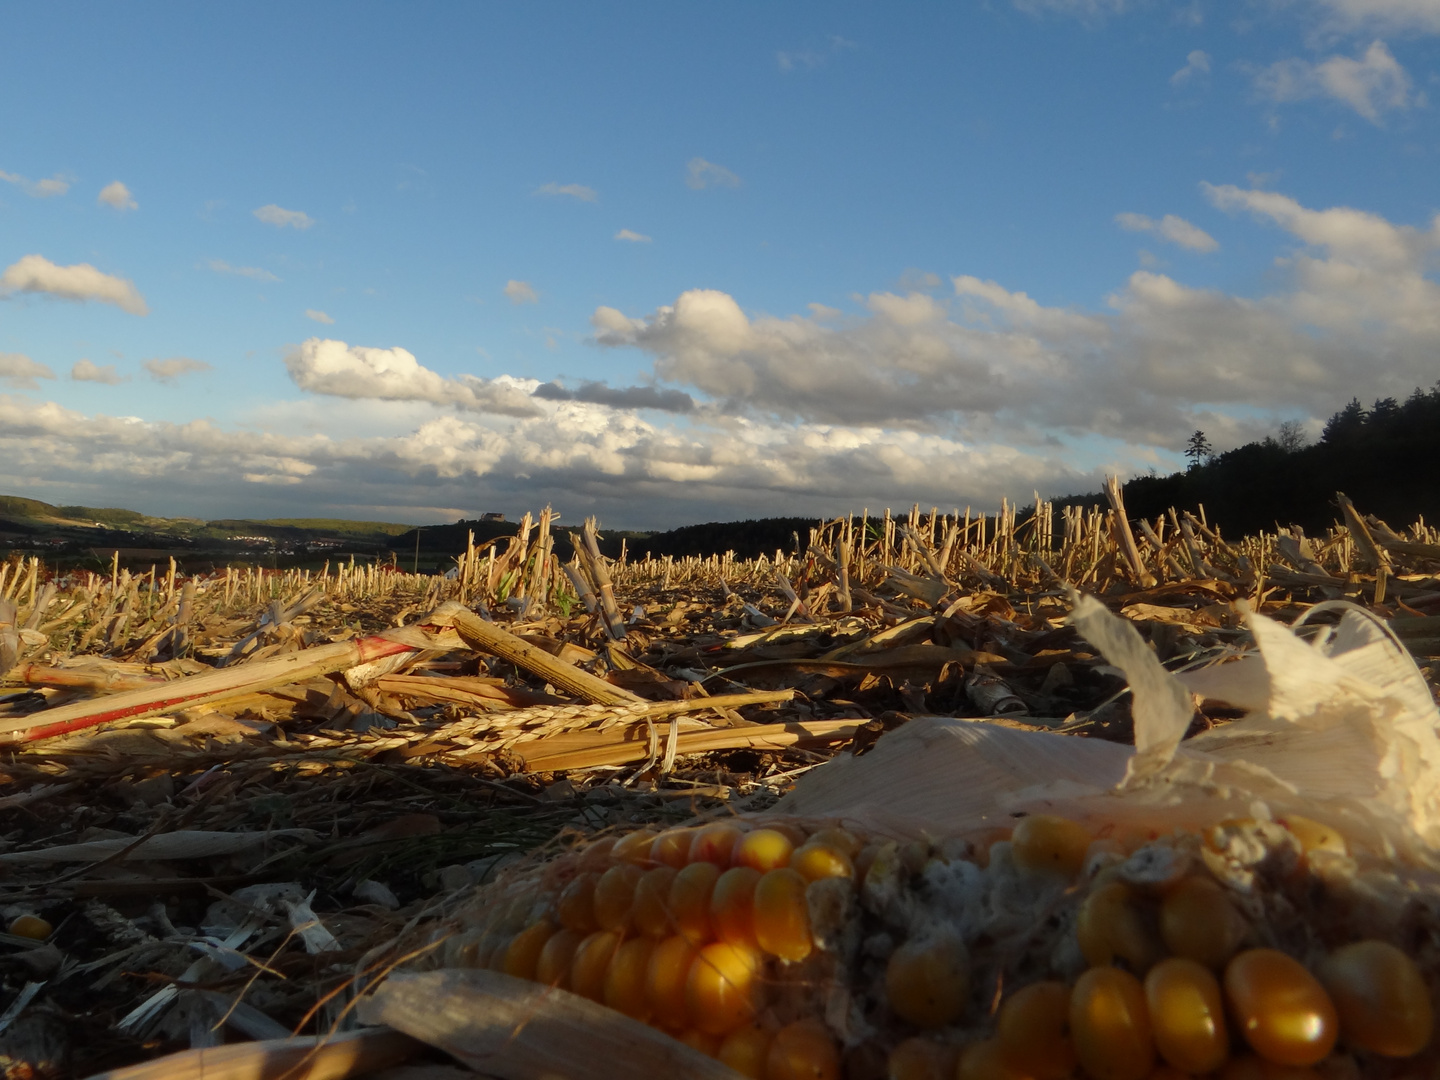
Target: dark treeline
[747, 539]
[1383, 457]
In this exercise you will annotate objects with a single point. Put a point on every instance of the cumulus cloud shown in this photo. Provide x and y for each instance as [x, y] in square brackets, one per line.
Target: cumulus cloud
[38, 189]
[633, 237]
[319, 316]
[271, 214]
[171, 369]
[1371, 84]
[1357, 314]
[581, 457]
[37, 274]
[89, 371]
[1196, 63]
[520, 292]
[19, 370]
[1175, 229]
[619, 397]
[324, 366]
[573, 191]
[117, 195]
[701, 174]
[254, 273]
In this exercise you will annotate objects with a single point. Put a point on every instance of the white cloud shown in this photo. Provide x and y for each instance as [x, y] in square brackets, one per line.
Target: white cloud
[1175, 229]
[1357, 315]
[633, 237]
[19, 370]
[573, 191]
[89, 371]
[37, 274]
[334, 368]
[280, 218]
[117, 195]
[581, 457]
[1370, 84]
[168, 370]
[38, 189]
[255, 273]
[520, 292]
[1196, 63]
[1371, 16]
[319, 316]
[701, 174]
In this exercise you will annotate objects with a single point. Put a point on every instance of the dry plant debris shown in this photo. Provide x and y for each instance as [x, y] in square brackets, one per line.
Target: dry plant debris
[225, 795]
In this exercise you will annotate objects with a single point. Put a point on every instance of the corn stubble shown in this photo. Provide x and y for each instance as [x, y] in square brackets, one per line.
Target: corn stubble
[804, 949]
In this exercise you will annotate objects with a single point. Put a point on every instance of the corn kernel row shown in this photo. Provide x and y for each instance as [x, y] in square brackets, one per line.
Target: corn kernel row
[740, 939]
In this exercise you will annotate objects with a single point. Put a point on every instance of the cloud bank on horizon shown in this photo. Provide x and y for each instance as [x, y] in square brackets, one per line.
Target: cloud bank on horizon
[756, 346]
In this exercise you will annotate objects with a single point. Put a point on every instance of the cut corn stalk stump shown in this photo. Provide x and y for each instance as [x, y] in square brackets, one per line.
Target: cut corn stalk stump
[391, 740]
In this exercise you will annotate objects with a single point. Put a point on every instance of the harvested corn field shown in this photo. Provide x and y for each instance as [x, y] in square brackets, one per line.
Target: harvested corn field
[247, 810]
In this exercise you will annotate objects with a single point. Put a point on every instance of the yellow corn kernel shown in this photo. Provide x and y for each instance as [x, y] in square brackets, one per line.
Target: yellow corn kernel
[1033, 1030]
[837, 838]
[496, 961]
[31, 926]
[652, 901]
[553, 966]
[1110, 1025]
[1044, 842]
[1111, 925]
[665, 979]
[591, 962]
[816, 860]
[596, 854]
[732, 906]
[614, 901]
[523, 954]
[1381, 998]
[745, 1048]
[1187, 1015]
[625, 978]
[763, 850]
[803, 1050]
[782, 917]
[985, 1060]
[576, 907]
[792, 832]
[1281, 1009]
[1314, 836]
[634, 847]
[706, 1043]
[927, 980]
[714, 843]
[1198, 922]
[722, 989]
[672, 847]
[690, 900]
[920, 1059]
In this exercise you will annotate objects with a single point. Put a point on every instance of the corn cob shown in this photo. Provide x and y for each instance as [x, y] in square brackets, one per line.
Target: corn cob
[1250, 949]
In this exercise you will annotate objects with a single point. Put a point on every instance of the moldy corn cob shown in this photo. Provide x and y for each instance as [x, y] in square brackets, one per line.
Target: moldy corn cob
[790, 948]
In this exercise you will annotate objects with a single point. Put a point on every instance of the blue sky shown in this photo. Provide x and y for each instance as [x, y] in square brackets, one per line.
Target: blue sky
[669, 263]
